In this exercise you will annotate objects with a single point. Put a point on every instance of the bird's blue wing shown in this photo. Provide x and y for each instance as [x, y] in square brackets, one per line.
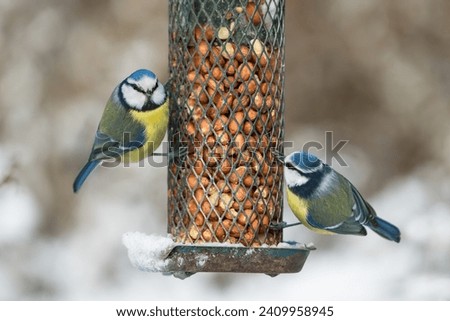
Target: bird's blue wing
[349, 226]
[365, 214]
[362, 210]
[107, 147]
[333, 212]
[311, 221]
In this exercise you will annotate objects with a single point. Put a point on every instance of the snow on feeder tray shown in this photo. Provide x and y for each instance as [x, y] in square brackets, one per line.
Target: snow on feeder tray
[227, 110]
[151, 253]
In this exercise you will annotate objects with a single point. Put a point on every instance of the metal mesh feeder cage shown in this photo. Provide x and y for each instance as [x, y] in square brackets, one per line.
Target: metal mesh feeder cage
[226, 109]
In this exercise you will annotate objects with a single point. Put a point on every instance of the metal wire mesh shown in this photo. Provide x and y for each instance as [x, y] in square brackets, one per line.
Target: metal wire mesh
[227, 103]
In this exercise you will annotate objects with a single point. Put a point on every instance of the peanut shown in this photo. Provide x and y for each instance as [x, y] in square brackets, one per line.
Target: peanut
[248, 181]
[224, 201]
[236, 122]
[215, 57]
[237, 174]
[245, 70]
[203, 48]
[190, 128]
[198, 167]
[240, 193]
[223, 33]
[247, 129]
[257, 47]
[207, 235]
[222, 186]
[199, 194]
[206, 207]
[193, 232]
[253, 14]
[199, 219]
[192, 181]
[217, 73]
[228, 51]
[192, 207]
[239, 140]
[242, 54]
[219, 231]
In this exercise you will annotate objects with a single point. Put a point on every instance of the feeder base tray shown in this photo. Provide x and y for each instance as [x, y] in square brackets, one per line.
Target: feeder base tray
[185, 260]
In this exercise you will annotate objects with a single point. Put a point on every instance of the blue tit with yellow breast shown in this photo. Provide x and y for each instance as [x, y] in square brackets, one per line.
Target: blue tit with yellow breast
[133, 123]
[326, 202]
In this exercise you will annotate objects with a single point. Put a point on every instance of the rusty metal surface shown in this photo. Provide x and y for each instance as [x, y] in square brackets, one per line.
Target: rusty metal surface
[268, 260]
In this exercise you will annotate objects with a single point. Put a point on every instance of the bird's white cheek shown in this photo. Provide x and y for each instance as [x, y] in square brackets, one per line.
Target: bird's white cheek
[132, 97]
[294, 179]
[159, 95]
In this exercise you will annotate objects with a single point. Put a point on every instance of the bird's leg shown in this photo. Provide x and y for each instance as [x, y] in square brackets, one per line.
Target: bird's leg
[180, 153]
[282, 225]
[279, 155]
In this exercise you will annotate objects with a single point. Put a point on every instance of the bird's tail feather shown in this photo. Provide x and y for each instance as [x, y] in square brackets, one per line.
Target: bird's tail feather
[385, 229]
[83, 174]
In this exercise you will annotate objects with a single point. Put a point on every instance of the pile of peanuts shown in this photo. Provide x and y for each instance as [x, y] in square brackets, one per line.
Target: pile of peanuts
[230, 183]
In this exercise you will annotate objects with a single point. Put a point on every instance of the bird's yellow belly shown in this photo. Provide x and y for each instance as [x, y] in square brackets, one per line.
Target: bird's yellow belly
[145, 151]
[299, 207]
[155, 123]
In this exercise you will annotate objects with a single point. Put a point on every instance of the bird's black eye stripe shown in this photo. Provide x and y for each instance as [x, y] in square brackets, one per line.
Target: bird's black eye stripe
[290, 166]
[154, 87]
[136, 87]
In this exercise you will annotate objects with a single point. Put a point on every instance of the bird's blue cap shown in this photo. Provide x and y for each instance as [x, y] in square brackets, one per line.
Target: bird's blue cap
[138, 74]
[305, 160]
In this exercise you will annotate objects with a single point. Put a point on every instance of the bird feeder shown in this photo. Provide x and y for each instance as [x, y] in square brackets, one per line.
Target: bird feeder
[227, 110]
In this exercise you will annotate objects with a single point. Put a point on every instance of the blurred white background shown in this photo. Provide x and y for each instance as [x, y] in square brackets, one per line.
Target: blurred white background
[374, 72]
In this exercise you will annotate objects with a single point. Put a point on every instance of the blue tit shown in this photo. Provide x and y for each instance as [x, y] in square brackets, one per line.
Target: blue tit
[133, 123]
[326, 202]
